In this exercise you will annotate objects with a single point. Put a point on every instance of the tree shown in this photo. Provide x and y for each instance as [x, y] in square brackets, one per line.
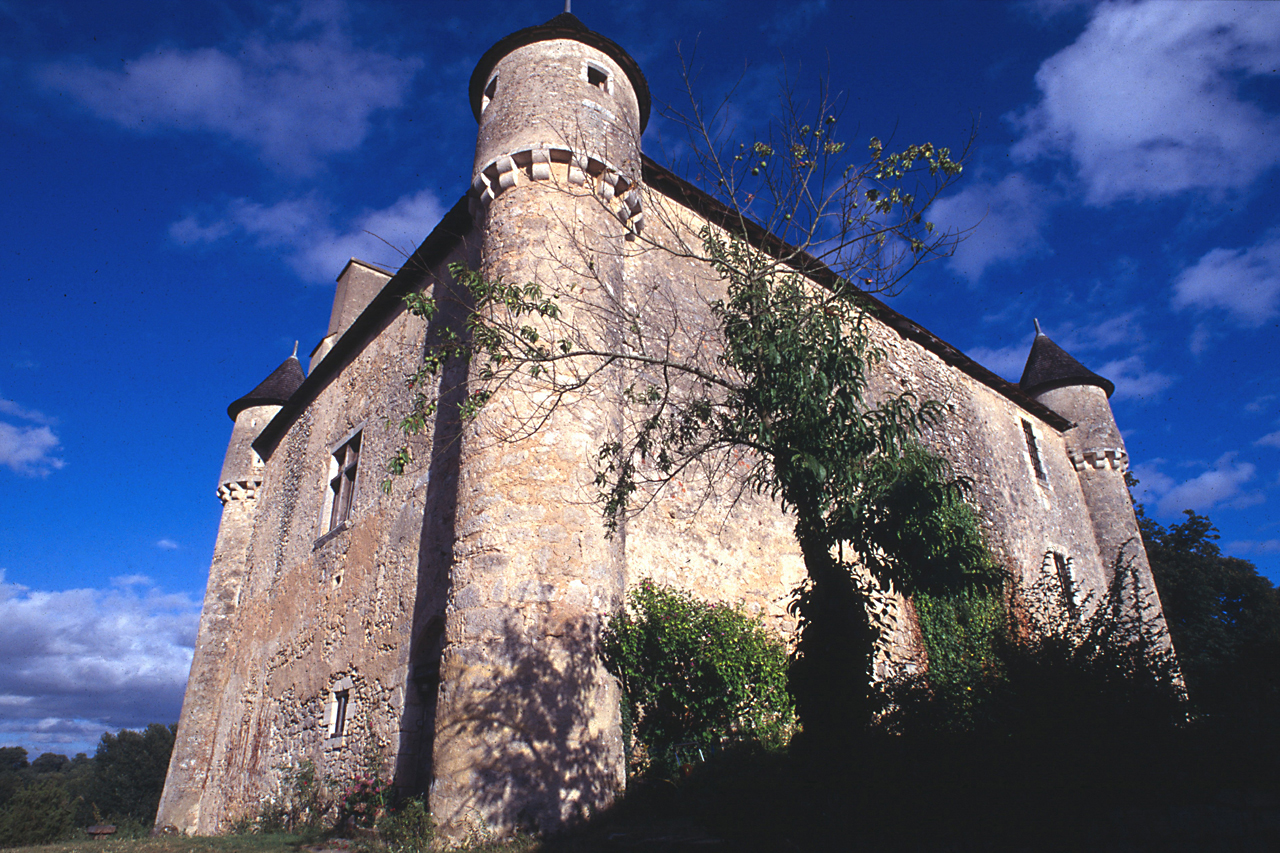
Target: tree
[129, 770]
[787, 394]
[1223, 616]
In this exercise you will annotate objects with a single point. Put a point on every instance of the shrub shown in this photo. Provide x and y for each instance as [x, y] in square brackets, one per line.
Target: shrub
[407, 827]
[696, 674]
[364, 801]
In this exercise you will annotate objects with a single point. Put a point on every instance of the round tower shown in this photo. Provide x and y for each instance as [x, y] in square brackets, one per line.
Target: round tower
[527, 723]
[184, 790]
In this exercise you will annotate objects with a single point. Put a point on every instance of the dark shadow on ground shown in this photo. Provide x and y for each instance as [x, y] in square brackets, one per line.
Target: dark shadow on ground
[1194, 790]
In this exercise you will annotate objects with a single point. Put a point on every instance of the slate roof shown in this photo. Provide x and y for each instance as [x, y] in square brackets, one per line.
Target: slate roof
[563, 26]
[275, 390]
[1050, 366]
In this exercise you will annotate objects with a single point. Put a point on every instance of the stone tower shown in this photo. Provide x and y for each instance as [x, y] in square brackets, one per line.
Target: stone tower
[527, 727]
[1097, 451]
[238, 488]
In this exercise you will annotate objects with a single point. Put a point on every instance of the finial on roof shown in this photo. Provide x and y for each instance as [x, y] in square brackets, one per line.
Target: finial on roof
[295, 349]
[1037, 322]
[567, 4]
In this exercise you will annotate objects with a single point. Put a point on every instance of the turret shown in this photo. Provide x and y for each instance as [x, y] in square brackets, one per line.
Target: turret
[180, 804]
[1097, 451]
[241, 466]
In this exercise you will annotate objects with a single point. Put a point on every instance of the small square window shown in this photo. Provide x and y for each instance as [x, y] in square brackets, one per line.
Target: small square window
[1033, 450]
[343, 468]
[598, 77]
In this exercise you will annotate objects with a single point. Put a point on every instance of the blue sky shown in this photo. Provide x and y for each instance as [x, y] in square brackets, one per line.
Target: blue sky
[182, 181]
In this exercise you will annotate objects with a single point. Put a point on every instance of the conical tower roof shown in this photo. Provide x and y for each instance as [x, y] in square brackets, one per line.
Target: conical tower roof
[1050, 366]
[563, 26]
[274, 390]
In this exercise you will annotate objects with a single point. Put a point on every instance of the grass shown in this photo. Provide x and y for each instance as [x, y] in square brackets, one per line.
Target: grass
[269, 843]
[175, 844]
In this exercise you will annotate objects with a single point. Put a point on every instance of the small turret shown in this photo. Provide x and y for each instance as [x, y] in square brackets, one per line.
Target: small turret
[240, 468]
[1095, 446]
[1074, 391]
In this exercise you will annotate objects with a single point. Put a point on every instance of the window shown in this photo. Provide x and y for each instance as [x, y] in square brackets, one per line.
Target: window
[1033, 450]
[490, 92]
[339, 726]
[342, 481]
[598, 77]
[336, 710]
[1062, 565]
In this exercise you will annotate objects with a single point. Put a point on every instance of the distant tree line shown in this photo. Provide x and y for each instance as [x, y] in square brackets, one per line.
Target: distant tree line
[54, 798]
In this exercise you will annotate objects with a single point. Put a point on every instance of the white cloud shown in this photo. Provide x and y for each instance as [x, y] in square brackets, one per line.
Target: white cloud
[168, 545]
[1250, 546]
[29, 448]
[1271, 439]
[1003, 361]
[1146, 102]
[1257, 404]
[1152, 482]
[9, 407]
[1221, 484]
[1133, 380]
[80, 661]
[999, 222]
[1117, 330]
[297, 93]
[301, 230]
[1243, 282]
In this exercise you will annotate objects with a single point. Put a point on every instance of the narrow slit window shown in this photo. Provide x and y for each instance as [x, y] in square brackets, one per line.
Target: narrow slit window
[340, 700]
[1062, 565]
[598, 77]
[490, 92]
[342, 481]
[1033, 450]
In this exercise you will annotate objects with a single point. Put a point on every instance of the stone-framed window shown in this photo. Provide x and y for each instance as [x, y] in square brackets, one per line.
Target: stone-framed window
[490, 92]
[344, 466]
[337, 709]
[1033, 451]
[598, 76]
